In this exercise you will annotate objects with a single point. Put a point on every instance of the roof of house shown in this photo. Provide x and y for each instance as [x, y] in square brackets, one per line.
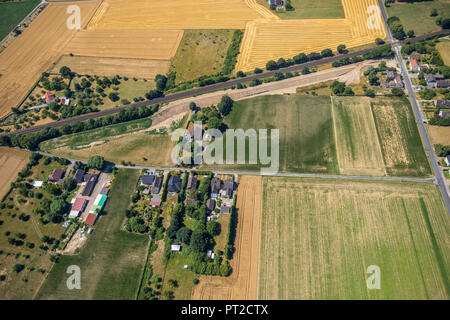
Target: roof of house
[224, 209]
[414, 62]
[210, 204]
[215, 185]
[175, 247]
[79, 204]
[49, 96]
[447, 158]
[192, 182]
[89, 187]
[79, 176]
[444, 114]
[430, 77]
[228, 187]
[56, 175]
[90, 219]
[104, 191]
[148, 179]
[174, 184]
[156, 185]
[443, 84]
[443, 103]
[153, 203]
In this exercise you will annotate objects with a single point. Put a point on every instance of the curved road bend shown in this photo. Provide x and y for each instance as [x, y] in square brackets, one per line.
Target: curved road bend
[203, 90]
[440, 180]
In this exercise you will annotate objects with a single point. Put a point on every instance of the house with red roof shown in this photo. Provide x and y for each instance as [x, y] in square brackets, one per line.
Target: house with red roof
[49, 97]
[78, 207]
[90, 219]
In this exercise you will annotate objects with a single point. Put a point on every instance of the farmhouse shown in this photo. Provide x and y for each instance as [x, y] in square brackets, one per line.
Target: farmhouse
[156, 185]
[443, 104]
[79, 176]
[56, 175]
[415, 63]
[91, 181]
[227, 190]
[78, 207]
[174, 185]
[90, 219]
[215, 187]
[211, 204]
[49, 97]
[444, 114]
[447, 160]
[147, 180]
[192, 182]
[442, 84]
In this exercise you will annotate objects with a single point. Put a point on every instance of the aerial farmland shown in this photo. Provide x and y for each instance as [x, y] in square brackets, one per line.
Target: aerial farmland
[224, 150]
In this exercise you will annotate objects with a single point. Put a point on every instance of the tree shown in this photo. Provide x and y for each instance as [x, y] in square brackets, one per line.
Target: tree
[214, 123]
[342, 48]
[225, 269]
[96, 162]
[327, 53]
[214, 228]
[300, 58]
[192, 106]
[66, 72]
[370, 93]
[173, 283]
[446, 23]
[305, 70]
[18, 267]
[58, 208]
[427, 94]
[411, 34]
[434, 13]
[271, 65]
[184, 235]
[258, 70]
[397, 92]
[161, 82]
[113, 96]
[379, 41]
[199, 241]
[225, 105]
[338, 87]
[348, 91]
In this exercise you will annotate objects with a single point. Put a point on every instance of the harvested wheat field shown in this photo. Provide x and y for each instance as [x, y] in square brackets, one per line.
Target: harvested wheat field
[358, 148]
[135, 44]
[174, 14]
[22, 63]
[103, 66]
[320, 235]
[243, 282]
[439, 135]
[266, 39]
[12, 161]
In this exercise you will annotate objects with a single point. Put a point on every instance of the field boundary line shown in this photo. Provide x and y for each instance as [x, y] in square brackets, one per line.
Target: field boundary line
[335, 133]
[378, 139]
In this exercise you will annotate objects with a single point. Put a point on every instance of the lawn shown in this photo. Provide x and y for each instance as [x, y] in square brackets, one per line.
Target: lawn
[357, 145]
[444, 49]
[400, 141]
[319, 237]
[306, 130]
[112, 260]
[11, 13]
[201, 52]
[311, 9]
[416, 16]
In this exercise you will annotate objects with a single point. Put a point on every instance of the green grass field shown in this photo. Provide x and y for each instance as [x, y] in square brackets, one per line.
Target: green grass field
[306, 130]
[416, 16]
[81, 140]
[11, 13]
[319, 237]
[201, 52]
[399, 138]
[311, 9]
[112, 260]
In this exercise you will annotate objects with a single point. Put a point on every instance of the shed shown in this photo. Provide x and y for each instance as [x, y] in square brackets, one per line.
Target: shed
[147, 180]
[211, 204]
[224, 209]
[175, 247]
[56, 175]
[90, 219]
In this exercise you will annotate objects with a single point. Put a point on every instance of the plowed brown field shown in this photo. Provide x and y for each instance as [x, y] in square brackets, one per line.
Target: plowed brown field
[243, 282]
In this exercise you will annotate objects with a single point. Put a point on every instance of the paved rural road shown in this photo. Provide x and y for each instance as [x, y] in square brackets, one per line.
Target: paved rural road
[203, 90]
[253, 173]
[439, 177]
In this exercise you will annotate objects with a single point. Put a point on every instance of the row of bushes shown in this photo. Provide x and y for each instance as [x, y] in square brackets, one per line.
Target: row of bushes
[229, 248]
[232, 53]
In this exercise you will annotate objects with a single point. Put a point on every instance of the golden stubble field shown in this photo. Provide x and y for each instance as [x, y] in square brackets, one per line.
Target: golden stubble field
[319, 236]
[12, 161]
[33, 52]
[243, 282]
[267, 39]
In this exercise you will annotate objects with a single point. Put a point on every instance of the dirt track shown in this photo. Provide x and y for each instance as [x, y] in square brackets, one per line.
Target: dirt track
[243, 283]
